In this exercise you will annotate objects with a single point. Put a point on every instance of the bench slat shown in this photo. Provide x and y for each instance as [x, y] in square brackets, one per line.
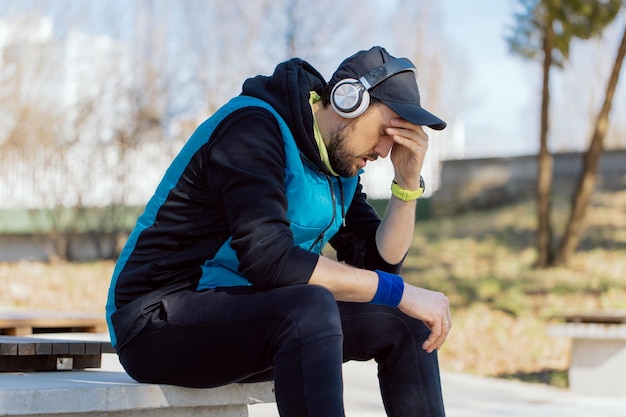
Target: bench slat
[30, 353]
[48, 362]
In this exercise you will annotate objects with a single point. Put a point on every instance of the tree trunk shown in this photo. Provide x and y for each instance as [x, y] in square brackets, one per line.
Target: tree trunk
[586, 182]
[544, 163]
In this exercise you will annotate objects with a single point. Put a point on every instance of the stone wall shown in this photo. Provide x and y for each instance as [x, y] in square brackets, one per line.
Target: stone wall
[474, 184]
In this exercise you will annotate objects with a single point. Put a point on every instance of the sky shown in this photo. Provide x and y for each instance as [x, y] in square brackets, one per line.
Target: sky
[500, 115]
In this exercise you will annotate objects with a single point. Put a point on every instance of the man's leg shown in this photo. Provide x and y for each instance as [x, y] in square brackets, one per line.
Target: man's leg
[214, 338]
[408, 376]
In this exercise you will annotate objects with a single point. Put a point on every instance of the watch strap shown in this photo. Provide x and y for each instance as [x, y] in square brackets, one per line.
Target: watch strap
[407, 195]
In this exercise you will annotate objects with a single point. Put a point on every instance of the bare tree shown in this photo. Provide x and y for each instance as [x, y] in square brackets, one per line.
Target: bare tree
[26, 111]
[545, 29]
[160, 66]
[586, 182]
[76, 106]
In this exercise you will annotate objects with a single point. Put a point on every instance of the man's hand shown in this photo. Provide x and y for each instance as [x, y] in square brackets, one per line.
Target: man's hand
[433, 309]
[408, 152]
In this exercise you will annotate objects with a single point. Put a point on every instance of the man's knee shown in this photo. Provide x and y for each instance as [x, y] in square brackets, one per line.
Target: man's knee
[312, 314]
[373, 329]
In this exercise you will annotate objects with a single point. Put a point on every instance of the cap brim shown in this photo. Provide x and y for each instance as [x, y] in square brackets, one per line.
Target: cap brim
[416, 114]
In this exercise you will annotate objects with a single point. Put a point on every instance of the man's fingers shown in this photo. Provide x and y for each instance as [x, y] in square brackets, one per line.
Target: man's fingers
[446, 325]
[433, 308]
[438, 333]
[431, 343]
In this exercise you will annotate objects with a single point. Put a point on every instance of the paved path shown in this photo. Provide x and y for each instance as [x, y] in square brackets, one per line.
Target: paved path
[471, 396]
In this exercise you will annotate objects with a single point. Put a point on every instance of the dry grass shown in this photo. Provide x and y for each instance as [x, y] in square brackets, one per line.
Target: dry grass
[57, 286]
[501, 305]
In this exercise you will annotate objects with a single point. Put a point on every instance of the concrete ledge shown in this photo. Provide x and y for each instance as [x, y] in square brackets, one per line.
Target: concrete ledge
[102, 392]
[589, 331]
[598, 356]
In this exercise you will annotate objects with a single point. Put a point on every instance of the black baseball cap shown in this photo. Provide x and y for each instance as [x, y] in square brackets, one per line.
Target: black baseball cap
[399, 92]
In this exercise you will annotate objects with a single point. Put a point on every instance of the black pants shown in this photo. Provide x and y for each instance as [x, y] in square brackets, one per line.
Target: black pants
[299, 336]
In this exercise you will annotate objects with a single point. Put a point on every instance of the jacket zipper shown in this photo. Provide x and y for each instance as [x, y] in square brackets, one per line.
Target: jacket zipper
[319, 237]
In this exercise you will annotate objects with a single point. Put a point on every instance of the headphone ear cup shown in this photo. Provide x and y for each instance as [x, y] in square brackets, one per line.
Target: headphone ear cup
[349, 98]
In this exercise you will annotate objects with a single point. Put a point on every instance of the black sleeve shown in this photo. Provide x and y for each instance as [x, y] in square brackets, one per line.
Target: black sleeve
[246, 174]
[355, 243]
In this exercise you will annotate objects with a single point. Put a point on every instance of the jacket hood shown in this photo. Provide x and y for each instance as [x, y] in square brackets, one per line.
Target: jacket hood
[288, 91]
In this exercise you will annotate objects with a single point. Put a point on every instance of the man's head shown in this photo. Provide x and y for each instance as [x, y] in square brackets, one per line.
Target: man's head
[374, 75]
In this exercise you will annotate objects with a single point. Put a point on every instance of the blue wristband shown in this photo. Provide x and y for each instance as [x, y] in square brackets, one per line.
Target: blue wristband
[390, 289]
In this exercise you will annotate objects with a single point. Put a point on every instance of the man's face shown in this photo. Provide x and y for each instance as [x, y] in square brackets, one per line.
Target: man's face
[360, 140]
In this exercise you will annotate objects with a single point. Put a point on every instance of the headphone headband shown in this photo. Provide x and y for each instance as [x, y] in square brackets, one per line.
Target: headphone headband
[388, 69]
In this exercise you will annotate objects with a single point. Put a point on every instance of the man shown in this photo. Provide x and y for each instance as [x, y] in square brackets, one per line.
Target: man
[222, 279]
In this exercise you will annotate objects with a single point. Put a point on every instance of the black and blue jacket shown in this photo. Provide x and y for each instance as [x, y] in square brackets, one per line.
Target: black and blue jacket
[247, 201]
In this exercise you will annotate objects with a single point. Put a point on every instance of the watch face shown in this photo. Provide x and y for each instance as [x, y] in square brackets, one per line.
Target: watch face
[422, 184]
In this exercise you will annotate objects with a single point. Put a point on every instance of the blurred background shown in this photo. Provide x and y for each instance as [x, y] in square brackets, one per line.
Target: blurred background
[97, 97]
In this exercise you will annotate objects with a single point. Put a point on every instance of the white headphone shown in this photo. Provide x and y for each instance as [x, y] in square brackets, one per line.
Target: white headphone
[350, 97]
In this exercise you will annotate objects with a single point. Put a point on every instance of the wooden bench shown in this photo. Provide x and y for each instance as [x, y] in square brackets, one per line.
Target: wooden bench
[22, 323]
[598, 355]
[107, 391]
[19, 351]
[36, 354]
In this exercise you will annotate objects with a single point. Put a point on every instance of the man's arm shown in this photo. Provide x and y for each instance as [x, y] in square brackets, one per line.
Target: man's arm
[348, 283]
[393, 239]
[395, 233]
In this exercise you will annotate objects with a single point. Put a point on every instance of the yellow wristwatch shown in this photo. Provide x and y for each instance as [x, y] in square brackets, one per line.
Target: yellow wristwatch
[407, 195]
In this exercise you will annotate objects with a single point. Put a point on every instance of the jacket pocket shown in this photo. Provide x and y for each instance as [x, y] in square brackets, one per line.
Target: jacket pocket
[131, 319]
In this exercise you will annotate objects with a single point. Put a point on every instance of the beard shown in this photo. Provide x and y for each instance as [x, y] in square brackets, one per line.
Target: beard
[341, 158]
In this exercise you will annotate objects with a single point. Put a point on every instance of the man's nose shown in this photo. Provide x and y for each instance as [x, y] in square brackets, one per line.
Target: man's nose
[383, 147]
